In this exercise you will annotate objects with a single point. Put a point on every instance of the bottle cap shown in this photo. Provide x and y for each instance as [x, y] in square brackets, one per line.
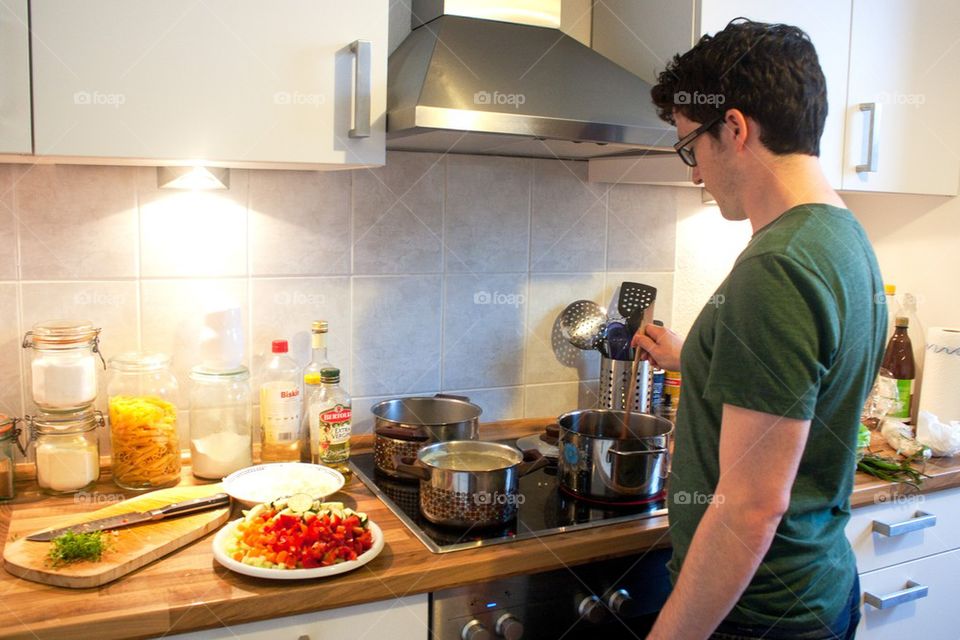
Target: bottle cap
[330, 374]
[312, 378]
[902, 322]
[319, 326]
[279, 346]
[890, 289]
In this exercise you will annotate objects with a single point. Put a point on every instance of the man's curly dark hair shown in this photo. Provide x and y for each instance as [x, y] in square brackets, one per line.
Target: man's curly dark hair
[770, 72]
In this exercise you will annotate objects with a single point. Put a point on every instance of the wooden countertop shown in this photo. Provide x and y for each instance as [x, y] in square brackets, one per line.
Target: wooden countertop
[188, 590]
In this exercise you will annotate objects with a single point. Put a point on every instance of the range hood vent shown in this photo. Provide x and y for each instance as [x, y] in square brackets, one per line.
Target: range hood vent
[468, 84]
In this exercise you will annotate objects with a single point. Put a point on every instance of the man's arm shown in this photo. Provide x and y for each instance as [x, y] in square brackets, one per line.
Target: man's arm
[759, 456]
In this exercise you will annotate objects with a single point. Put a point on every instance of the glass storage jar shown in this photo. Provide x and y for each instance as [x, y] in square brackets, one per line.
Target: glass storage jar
[66, 451]
[142, 400]
[221, 414]
[9, 436]
[64, 360]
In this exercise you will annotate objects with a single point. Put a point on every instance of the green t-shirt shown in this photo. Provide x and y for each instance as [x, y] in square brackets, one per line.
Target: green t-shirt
[796, 330]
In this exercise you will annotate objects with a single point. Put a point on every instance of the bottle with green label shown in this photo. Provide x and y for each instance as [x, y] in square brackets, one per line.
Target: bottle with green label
[330, 422]
[898, 360]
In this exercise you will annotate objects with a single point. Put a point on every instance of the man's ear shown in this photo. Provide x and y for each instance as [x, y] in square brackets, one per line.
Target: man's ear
[738, 127]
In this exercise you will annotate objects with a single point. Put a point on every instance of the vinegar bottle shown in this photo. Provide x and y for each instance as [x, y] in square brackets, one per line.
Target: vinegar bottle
[898, 360]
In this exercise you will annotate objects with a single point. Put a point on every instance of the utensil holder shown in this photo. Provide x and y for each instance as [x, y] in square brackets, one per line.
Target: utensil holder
[614, 378]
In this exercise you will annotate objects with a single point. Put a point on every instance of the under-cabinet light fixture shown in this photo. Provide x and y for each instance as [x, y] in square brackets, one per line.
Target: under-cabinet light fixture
[193, 178]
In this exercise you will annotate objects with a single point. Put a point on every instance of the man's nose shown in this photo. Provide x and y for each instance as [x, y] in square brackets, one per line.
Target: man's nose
[695, 176]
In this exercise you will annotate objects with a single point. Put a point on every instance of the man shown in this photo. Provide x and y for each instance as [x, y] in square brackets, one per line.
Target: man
[777, 367]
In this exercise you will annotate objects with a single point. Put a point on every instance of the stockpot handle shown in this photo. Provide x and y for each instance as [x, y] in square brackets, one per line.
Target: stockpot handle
[409, 470]
[451, 396]
[664, 470]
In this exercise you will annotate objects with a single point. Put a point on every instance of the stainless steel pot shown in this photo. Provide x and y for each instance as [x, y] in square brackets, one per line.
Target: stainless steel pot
[404, 425]
[470, 483]
[600, 460]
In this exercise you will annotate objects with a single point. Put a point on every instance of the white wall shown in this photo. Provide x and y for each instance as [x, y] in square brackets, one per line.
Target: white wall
[917, 240]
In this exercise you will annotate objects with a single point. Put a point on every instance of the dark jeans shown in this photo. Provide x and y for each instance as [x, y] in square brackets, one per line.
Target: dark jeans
[843, 628]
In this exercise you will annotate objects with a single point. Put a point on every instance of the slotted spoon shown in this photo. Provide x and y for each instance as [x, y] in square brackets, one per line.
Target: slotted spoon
[582, 322]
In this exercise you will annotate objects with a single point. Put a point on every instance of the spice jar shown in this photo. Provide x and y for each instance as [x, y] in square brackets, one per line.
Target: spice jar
[66, 450]
[142, 401]
[9, 435]
[220, 419]
[63, 367]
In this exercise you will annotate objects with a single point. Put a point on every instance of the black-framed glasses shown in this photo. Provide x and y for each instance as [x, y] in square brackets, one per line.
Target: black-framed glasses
[683, 146]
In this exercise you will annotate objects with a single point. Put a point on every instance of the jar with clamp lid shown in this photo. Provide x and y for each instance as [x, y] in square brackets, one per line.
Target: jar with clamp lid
[9, 436]
[142, 399]
[66, 450]
[64, 362]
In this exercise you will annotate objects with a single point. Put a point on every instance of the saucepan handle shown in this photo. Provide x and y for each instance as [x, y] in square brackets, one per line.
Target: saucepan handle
[533, 460]
[411, 470]
[644, 452]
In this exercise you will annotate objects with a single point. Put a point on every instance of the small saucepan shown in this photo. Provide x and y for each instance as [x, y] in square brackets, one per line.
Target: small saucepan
[470, 483]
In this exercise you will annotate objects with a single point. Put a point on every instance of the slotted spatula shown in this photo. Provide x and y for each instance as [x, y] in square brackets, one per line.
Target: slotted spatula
[634, 299]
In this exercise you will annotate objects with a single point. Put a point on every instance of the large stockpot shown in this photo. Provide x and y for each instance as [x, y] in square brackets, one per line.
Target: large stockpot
[404, 425]
[600, 460]
[470, 483]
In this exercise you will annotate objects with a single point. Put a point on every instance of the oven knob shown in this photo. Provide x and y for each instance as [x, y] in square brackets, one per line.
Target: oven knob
[474, 630]
[592, 610]
[509, 627]
[622, 603]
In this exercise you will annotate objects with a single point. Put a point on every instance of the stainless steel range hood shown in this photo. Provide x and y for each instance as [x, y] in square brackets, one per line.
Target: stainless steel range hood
[470, 84]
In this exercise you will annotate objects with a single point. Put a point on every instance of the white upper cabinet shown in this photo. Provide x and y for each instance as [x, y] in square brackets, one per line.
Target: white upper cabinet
[642, 36]
[15, 133]
[902, 59]
[295, 83]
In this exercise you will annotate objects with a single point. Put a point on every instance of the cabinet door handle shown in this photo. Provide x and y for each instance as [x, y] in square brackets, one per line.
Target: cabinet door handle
[914, 591]
[920, 520]
[361, 89]
[873, 138]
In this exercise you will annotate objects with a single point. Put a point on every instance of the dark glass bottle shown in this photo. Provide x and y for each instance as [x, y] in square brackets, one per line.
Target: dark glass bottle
[898, 360]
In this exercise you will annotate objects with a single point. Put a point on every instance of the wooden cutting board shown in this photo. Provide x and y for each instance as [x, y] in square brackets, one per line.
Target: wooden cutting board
[132, 547]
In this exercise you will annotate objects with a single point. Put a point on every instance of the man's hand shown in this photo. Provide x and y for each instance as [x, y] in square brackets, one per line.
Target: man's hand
[661, 346]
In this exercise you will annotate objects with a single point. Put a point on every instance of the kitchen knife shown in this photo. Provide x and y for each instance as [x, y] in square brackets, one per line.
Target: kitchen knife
[137, 517]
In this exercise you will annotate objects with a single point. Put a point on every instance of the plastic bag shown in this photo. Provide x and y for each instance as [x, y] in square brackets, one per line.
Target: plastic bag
[942, 438]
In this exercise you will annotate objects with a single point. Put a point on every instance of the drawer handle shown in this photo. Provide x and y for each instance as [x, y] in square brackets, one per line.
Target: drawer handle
[920, 520]
[913, 592]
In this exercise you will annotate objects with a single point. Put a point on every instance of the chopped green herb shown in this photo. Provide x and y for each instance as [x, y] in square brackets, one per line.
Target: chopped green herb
[74, 547]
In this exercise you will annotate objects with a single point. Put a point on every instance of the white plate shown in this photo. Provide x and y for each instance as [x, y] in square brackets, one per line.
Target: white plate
[229, 530]
[266, 482]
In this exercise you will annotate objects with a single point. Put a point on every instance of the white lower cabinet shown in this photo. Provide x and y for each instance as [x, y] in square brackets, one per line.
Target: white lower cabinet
[908, 553]
[400, 619]
[929, 593]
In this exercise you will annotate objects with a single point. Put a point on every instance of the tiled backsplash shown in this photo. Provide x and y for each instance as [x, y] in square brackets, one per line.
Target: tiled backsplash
[435, 273]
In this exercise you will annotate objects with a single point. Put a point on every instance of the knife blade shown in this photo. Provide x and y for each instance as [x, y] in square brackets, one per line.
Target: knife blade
[137, 517]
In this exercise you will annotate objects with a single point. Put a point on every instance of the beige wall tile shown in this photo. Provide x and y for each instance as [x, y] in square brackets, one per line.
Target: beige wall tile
[8, 222]
[10, 338]
[299, 223]
[569, 226]
[396, 335]
[77, 222]
[642, 228]
[398, 215]
[192, 233]
[487, 215]
[549, 357]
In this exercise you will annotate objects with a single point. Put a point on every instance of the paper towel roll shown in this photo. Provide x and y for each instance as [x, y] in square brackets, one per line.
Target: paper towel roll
[940, 394]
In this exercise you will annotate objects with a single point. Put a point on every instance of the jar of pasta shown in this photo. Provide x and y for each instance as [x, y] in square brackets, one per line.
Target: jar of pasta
[142, 401]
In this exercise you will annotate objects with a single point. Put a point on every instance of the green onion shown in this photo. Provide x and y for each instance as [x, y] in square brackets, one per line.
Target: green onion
[892, 470]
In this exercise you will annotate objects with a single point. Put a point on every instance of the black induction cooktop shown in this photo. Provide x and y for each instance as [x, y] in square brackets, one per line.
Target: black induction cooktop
[545, 510]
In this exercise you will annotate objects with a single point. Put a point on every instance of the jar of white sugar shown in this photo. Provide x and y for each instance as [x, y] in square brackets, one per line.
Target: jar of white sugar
[66, 450]
[221, 416]
[64, 362]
